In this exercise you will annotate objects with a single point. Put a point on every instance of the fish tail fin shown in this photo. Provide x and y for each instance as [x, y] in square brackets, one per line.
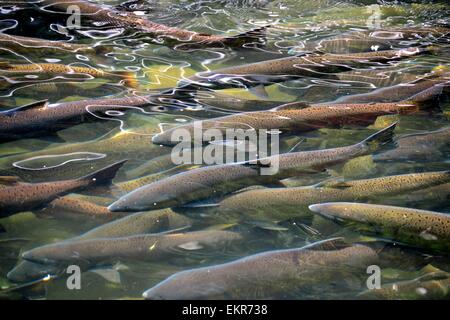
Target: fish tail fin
[104, 176]
[377, 140]
[129, 78]
[257, 36]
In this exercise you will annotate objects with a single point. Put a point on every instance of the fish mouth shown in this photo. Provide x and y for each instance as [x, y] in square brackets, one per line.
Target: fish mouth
[149, 295]
[161, 140]
[318, 208]
[119, 207]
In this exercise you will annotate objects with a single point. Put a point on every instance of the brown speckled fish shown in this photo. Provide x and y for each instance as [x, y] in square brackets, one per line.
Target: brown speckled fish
[283, 69]
[267, 274]
[279, 204]
[38, 117]
[18, 196]
[214, 180]
[296, 117]
[20, 44]
[145, 247]
[419, 228]
[8, 69]
[418, 146]
[170, 35]
[420, 90]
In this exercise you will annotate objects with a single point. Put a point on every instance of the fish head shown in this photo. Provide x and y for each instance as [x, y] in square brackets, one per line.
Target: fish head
[339, 211]
[149, 197]
[51, 254]
[165, 138]
[185, 285]
[27, 271]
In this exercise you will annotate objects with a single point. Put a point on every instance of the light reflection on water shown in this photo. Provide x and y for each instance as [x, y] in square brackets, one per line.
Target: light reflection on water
[296, 28]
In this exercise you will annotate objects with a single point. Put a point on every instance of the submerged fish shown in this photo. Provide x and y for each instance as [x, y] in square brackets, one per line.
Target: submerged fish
[20, 44]
[265, 275]
[420, 90]
[295, 116]
[279, 204]
[171, 35]
[145, 247]
[19, 196]
[7, 68]
[68, 206]
[38, 117]
[418, 228]
[138, 223]
[418, 146]
[214, 180]
[430, 286]
[278, 70]
[131, 144]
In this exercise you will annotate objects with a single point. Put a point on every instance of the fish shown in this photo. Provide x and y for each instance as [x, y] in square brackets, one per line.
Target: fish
[371, 40]
[21, 44]
[71, 206]
[265, 275]
[420, 90]
[42, 117]
[267, 72]
[418, 146]
[278, 204]
[291, 117]
[26, 271]
[163, 34]
[128, 78]
[19, 196]
[429, 286]
[138, 223]
[143, 247]
[133, 144]
[418, 228]
[215, 180]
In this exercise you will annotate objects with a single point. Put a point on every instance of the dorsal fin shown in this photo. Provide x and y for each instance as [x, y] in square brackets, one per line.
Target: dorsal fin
[335, 183]
[35, 105]
[328, 244]
[9, 180]
[292, 106]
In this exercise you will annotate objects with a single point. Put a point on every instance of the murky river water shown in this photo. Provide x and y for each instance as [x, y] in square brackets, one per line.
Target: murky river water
[128, 62]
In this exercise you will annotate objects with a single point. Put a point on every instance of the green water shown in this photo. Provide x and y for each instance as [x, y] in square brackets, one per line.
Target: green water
[293, 24]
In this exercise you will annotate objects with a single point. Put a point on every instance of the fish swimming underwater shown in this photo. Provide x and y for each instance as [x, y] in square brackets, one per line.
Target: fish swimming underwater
[278, 204]
[418, 146]
[138, 223]
[215, 180]
[429, 286]
[126, 77]
[143, 247]
[283, 69]
[295, 117]
[170, 35]
[418, 228]
[38, 117]
[265, 275]
[18, 196]
[20, 44]
[420, 90]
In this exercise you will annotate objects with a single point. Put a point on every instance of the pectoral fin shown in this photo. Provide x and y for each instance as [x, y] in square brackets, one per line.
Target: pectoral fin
[192, 245]
[108, 274]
